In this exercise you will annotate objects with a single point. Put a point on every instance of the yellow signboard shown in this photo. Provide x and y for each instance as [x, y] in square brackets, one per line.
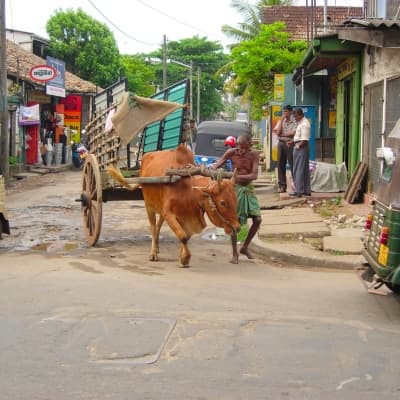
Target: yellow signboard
[279, 87]
[346, 68]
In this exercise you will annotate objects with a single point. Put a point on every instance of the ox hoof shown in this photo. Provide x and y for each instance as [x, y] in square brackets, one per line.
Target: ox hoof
[153, 258]
[184, 265]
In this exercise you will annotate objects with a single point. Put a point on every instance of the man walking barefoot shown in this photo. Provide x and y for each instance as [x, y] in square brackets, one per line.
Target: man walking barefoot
[246, 162]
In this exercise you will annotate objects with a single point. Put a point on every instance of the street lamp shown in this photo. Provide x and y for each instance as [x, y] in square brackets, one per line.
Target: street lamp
[190, 68]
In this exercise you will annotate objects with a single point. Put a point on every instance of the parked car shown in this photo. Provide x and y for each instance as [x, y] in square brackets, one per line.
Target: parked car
[210, 142]
[382, 242]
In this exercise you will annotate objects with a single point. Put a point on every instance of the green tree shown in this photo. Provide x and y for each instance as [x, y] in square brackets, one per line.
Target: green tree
[141, 77]
[246, 31]
[256, 61]
[204, 56]
[87, 46]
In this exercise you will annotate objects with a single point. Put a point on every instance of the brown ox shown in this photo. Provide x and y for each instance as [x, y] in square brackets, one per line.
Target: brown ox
[183, 204]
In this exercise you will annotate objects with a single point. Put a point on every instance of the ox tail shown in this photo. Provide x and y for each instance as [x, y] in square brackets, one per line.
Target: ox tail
[117, 175]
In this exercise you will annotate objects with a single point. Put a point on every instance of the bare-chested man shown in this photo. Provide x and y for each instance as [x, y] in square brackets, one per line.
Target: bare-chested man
[246, 162]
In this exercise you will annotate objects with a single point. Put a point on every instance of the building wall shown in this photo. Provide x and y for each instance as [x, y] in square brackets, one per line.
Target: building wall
[379, 64]
[23, 39]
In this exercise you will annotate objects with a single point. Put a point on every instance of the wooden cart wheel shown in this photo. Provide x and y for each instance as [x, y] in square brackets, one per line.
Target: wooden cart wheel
[92, 199]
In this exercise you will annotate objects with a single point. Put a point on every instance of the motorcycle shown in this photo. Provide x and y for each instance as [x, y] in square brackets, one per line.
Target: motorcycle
[79, 153]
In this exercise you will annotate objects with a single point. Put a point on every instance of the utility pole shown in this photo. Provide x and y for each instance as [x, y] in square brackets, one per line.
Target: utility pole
[191, 90]
[4, 167]
[164, 62]
[198, 94]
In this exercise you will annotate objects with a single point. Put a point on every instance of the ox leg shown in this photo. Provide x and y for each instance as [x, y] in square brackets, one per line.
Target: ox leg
[157, 233]
[235, 254]
[184, 252]
[184, 255]
[155, 230]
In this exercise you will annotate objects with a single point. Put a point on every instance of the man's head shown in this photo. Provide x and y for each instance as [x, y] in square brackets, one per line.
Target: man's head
[298, 114]
[244, 142]
[287, 111]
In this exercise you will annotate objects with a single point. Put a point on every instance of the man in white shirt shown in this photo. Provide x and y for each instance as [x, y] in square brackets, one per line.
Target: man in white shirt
[301, 169]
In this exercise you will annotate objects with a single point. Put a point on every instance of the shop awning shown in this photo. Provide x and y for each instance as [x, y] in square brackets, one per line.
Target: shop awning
[325, 53]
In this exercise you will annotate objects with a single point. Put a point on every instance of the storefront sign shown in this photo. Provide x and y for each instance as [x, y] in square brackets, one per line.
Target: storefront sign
[29, 115]
[42, 73]
[38, 97]
[56, 86]
[72, 103]
[279, 87]
[346, 68]
[72, 116]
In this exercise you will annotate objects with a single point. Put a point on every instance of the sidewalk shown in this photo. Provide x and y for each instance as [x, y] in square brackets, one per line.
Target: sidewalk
[292, 231]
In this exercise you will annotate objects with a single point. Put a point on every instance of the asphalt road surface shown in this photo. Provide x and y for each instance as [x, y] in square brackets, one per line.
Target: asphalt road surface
[104, 322]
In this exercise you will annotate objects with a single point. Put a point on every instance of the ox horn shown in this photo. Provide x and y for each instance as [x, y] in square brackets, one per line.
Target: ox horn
[234, 175]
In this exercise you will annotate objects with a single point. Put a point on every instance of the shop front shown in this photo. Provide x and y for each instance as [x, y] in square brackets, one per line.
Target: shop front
[330, 79]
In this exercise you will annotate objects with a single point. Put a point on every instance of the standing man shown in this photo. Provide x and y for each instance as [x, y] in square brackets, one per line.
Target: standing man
[285, 130]
[301, 168]
[246, 162]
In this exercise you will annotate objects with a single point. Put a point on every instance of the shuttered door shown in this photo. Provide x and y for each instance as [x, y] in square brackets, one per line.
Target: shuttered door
[373, 119]
[392, 104]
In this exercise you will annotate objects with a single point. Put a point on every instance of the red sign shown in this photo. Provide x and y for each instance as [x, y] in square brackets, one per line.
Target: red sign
[72, 103]
[42, 73]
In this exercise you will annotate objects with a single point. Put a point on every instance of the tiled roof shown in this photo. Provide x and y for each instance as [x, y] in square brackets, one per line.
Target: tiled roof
[298, 19]
[19, 62]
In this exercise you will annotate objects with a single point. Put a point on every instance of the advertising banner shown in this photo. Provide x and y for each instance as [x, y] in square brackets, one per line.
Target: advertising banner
[29, 115]
[56, 86]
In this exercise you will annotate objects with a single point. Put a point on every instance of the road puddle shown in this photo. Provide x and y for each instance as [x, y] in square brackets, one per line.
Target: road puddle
[55, 247]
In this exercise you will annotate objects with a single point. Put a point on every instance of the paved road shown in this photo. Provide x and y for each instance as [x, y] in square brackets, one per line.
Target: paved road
[106, 323]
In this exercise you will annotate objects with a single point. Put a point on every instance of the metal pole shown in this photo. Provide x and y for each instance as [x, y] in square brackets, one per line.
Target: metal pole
[198, 94]
[164, 60]
[191, 89]
[4, 139]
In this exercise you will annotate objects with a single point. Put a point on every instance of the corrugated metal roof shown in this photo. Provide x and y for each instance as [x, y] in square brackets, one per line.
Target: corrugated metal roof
[377, 23]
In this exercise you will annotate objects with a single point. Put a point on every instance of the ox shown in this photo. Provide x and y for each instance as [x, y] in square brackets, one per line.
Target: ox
[183, 204]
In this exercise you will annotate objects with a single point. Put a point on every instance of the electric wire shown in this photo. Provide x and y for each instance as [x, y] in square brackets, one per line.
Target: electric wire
[120, 30]
[170, 17]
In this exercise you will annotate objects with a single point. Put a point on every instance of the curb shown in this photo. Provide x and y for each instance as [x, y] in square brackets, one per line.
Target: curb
[313, 258]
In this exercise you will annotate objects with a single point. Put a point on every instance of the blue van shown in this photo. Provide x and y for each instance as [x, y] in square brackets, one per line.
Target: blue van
[210, 140]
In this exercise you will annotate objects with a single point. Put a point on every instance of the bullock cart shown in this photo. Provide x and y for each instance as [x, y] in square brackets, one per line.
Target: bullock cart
[109, 144]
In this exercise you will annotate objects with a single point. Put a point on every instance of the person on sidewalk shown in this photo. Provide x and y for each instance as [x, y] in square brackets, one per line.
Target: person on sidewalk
[246, 162]
[300, 143]
[285, 130]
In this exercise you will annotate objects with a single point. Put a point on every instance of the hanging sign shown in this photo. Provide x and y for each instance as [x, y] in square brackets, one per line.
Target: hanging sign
[56, 86]
[42, 73]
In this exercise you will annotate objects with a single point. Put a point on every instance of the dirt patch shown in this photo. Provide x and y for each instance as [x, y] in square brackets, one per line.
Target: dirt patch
[31, 181]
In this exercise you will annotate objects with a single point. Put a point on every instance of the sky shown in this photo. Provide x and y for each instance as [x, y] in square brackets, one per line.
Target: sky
[140, 25]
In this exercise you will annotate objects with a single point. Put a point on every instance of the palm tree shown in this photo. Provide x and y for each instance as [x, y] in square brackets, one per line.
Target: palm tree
[252, 16]
[247, 30]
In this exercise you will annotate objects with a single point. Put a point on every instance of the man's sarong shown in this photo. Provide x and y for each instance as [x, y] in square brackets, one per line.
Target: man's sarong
[247, 203]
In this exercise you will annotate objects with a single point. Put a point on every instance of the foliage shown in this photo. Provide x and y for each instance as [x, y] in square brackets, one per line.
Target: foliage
[252, 16]
[87, 46]
[256, 61]
[12, 160]
[206, 57]
[141, 77]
